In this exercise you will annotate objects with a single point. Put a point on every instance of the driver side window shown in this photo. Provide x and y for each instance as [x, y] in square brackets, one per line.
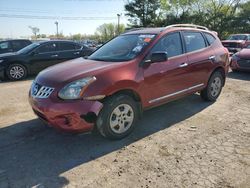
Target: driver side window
[171, 43]
[51, 47]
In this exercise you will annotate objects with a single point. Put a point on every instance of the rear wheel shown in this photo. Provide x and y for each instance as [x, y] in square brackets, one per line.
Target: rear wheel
[214, 87]
[16, 72]
[118, 117]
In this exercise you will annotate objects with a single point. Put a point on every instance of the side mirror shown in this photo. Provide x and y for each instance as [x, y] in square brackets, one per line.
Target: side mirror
[157, 57]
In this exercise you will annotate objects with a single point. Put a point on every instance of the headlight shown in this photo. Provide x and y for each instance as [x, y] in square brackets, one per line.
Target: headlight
[74, 90]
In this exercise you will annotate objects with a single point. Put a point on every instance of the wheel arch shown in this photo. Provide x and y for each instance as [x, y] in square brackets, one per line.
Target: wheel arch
[18, 62]
[219, 69]
[131, 93]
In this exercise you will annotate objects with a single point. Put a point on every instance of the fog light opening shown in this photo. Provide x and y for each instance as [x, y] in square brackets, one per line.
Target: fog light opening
[90, 117]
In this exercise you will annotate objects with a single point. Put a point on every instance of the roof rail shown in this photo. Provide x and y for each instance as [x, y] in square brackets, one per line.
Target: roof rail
[187, 25]
[134, 29]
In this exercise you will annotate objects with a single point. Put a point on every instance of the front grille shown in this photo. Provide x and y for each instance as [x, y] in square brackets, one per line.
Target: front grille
[42, 92]
[244, 63]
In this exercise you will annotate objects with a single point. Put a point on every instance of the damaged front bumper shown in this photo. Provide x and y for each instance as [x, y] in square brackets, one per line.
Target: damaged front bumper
[71, 116]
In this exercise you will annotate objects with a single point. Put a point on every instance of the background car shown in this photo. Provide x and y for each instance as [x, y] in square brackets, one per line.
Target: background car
[241, 60]
[13, 45]
[37, 56]
[236, 42]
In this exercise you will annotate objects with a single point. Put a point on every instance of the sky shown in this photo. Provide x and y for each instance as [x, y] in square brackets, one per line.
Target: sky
[73, 16]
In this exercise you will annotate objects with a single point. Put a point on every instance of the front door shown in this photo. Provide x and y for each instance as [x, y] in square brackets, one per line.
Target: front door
[44, 56]
[166, 80]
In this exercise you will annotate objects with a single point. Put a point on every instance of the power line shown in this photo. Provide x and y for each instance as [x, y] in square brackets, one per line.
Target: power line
[56, 17]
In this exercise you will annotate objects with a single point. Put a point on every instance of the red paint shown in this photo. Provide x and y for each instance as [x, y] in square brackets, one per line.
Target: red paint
[241, 60]
[148, 81]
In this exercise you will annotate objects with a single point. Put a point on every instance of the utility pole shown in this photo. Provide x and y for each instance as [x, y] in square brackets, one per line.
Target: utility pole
[56, 22]
[118, 26]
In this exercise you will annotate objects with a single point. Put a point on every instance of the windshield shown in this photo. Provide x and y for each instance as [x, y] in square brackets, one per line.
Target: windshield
[237, 37]
[122, 48]
[28, 48]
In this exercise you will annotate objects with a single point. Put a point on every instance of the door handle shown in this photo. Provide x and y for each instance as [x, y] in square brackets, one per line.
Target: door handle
[183, 65]
[54, 55]
[77, 53]
[212, 58]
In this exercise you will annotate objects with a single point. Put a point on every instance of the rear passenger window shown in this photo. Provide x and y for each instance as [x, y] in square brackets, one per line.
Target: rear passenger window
[210, 38]
[170, 43]
[194, 41]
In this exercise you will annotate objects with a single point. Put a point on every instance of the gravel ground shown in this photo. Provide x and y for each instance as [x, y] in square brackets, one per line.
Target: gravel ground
[185, 143]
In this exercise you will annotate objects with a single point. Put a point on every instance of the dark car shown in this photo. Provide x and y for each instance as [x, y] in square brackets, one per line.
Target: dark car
[38, 56]
[7, 46]
[133, 72]
[241, 60]
[236, 42]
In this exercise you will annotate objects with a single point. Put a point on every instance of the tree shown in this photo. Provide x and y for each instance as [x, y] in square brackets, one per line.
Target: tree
[217, 15]
[34, 30]
[241, 22]
[108, 31]
[142, 12]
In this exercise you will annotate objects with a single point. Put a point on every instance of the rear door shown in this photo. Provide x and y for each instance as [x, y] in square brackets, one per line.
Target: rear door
[68, 50]
[200, 56]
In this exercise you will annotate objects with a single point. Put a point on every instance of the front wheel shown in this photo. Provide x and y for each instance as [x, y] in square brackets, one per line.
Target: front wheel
[214, 87]
[16, 72]
[118, 117]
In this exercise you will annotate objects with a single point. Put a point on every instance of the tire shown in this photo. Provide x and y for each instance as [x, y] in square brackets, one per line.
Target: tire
[214, 87]
[16, 72]
[113, 122]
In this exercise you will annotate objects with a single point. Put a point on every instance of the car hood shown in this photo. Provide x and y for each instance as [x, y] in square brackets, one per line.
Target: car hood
[5, 55]
[232, 41]
[72, 70]
[244, 54]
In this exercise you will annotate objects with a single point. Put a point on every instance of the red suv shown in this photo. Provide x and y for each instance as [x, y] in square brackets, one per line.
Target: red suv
[135, 71]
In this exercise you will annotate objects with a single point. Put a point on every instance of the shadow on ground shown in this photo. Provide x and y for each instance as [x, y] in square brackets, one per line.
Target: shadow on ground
[239, 75]
[32, 154]
[10, 81]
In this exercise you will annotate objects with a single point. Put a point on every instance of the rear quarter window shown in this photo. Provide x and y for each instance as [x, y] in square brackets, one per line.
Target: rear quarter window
[210, 38]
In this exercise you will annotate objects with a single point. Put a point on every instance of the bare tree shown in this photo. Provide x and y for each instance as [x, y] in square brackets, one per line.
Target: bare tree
[34, 30]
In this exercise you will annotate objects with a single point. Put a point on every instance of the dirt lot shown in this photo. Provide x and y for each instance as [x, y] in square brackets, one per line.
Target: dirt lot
[186, 143]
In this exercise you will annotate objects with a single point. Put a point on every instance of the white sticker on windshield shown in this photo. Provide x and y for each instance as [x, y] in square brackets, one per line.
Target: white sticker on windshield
[147, 36]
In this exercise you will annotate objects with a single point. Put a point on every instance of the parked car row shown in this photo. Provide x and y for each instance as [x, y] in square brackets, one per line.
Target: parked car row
[38, 56]
[135, 71]
[237, 42]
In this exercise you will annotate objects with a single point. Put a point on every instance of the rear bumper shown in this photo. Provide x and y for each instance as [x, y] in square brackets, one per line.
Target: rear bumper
[66, 116]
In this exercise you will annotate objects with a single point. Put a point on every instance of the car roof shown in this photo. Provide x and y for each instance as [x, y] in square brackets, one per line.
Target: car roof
[51, 41]
[162, 29]
[8, 40]
[156, 30]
